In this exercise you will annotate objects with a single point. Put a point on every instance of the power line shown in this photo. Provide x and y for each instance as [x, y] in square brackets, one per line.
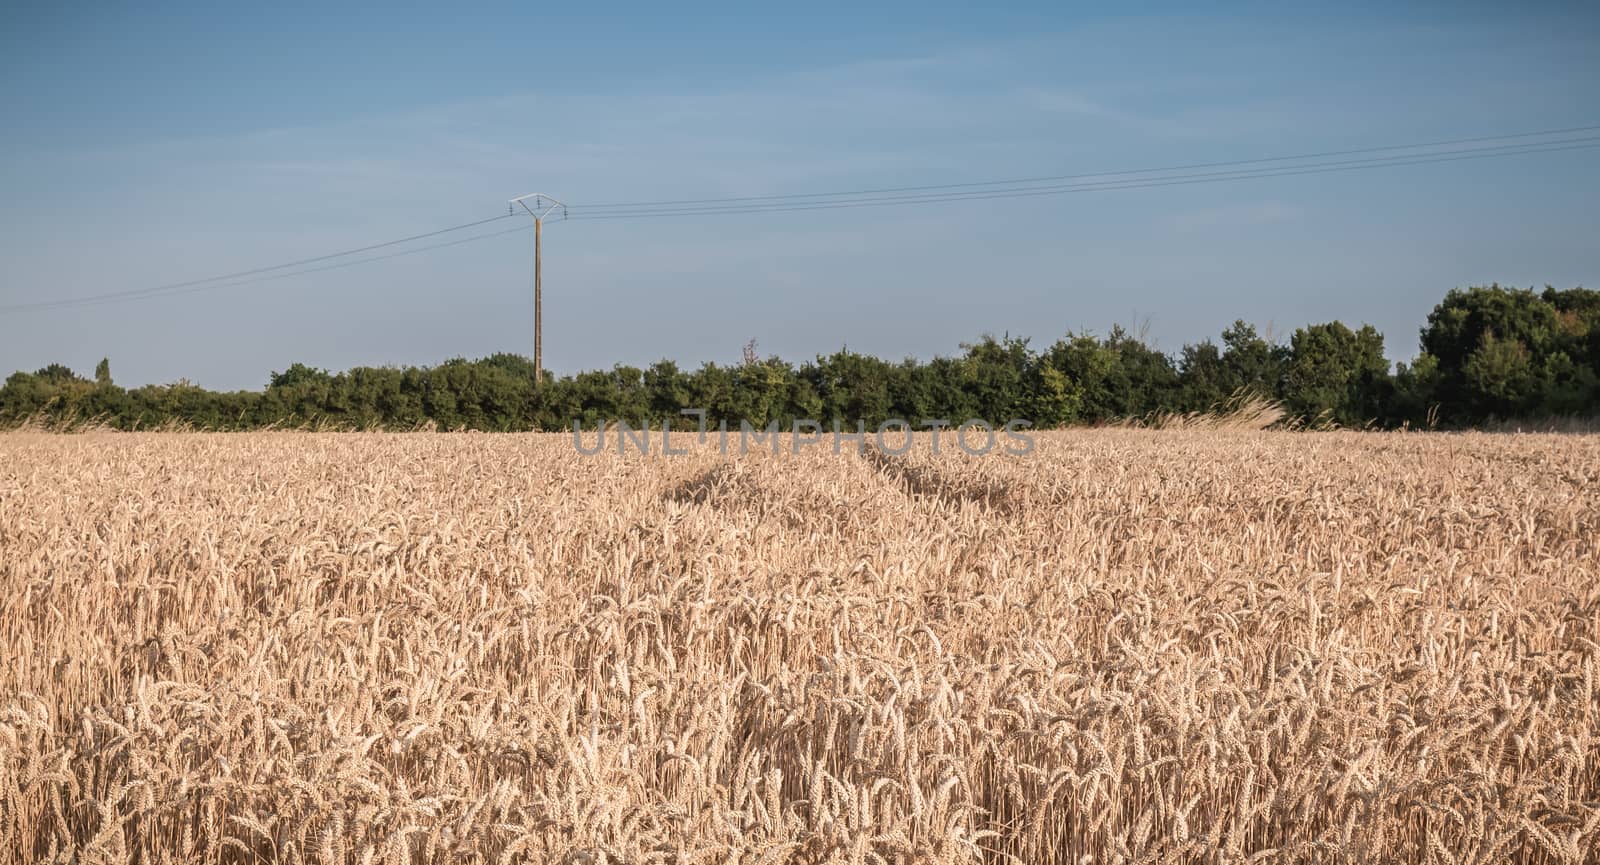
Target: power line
[177, 289]
[1312, 168]
[157, 290]
[894, 196]
[1103, 186]
[1048, 179]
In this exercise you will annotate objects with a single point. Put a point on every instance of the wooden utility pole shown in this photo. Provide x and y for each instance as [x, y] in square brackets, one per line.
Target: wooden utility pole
[542, 206]
[538, 305]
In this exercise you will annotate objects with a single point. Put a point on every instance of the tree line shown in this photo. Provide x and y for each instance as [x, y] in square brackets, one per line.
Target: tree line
[1487, 353]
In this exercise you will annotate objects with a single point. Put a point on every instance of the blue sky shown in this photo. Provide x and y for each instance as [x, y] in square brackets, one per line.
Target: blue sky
[143, 148]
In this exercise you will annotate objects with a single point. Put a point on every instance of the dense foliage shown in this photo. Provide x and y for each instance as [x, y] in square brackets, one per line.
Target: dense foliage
[1486, 353]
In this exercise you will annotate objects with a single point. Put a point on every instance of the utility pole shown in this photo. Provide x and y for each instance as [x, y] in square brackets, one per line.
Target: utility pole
[541, 207]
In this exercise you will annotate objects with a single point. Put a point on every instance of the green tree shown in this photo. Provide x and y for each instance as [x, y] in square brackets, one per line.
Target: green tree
[1150, 380]
[850, 387]
[1572, 373]
[1204, 381]
[1501, 377]
[1095, 372]
[763, 391]
[1117, 377]
[1337, 374]
[1491, 344]
[996, 374]
[1054, 400]
[58, 375]
[667, 392]
[1415, 398]
[1252, 363]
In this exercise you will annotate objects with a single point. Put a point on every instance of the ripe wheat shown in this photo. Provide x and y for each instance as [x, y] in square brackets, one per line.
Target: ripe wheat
[1131, 646]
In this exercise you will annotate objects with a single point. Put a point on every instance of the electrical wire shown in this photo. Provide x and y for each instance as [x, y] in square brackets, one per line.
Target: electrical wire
[887, 197]
[578, 213]
[1054, 178]
[161, 289]
[101, 300]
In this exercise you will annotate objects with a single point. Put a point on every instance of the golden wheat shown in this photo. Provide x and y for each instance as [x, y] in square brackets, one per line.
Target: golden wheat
[1130, 646]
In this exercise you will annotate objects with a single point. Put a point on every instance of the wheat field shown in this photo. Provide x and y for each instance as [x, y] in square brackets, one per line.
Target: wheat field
[1130, 646]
